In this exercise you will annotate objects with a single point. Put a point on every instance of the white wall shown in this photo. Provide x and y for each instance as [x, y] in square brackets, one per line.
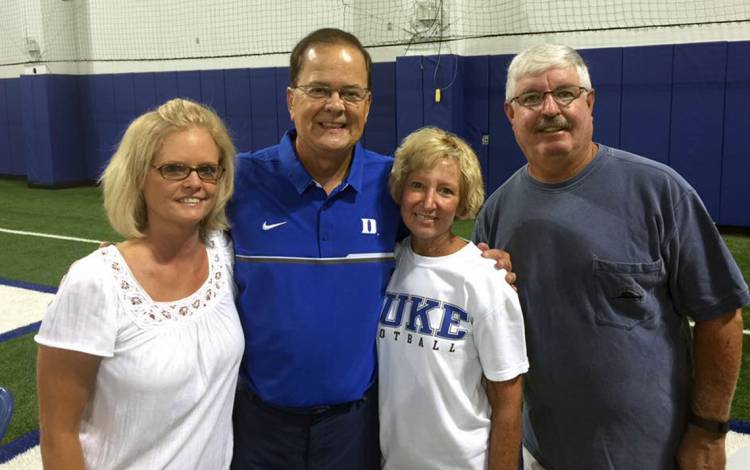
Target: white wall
[99, 36]
[20, 20]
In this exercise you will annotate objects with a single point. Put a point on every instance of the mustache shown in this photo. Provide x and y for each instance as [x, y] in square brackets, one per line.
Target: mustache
[554, 122]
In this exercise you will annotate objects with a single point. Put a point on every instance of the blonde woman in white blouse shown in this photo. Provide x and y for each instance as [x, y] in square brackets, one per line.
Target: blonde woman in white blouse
[139, 351]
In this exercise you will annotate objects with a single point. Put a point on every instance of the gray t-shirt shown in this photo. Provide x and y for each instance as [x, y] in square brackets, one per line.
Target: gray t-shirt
[610, 264]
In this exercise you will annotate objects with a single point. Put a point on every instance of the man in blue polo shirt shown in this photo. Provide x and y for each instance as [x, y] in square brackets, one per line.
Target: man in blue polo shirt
[314, 231]
[314, 235]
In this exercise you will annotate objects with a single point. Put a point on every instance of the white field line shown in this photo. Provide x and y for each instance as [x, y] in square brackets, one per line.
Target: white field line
[48, 235]
[21, 307]
[29, 460]
[736, 442]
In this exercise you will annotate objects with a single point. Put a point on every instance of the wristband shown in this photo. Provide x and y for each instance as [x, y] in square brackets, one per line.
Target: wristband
[716, 427]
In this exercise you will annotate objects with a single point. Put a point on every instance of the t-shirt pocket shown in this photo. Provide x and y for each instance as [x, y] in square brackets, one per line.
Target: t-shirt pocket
[627, 294]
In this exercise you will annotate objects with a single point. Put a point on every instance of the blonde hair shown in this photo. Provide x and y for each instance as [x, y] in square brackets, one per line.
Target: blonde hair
[422, 149]
[123, 179]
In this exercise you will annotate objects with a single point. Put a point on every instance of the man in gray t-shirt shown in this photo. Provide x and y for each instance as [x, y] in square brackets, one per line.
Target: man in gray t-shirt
[613, 253]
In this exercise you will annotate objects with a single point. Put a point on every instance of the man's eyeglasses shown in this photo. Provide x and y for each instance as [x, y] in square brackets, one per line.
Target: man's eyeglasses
[350, 94]
[563, 96]
[178, 171]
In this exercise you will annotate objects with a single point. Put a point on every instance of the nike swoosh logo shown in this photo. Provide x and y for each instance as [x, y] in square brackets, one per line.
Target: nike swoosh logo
[267, 226]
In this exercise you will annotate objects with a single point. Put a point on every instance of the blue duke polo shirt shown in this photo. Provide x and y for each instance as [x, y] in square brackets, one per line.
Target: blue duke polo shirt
[311, 270]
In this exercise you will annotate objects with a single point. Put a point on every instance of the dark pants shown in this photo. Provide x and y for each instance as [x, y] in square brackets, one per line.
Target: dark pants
[341, 437]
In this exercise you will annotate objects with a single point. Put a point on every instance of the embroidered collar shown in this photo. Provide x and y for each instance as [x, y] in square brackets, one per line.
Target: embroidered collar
[147, 312]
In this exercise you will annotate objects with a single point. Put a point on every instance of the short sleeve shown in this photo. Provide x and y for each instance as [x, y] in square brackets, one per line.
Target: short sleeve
[83, 315]
[479, 233]
[499, 332]
[222, 243]
[705, 281]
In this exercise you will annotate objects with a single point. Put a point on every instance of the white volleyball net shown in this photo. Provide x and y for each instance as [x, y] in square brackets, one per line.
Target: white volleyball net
[148, 30]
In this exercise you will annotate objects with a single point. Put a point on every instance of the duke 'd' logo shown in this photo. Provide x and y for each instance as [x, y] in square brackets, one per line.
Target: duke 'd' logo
[369, 226]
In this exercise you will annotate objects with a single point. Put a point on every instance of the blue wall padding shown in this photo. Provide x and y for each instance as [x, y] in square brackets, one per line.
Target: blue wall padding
[144, 92]
[605, 68]
[3, 103]
[98, 121]
[646, 101]
[213, 91]
[380, 132]
[189, 85]
[87, 122]
[165, 84]
[263, 118]
[5, 156]
[238, 108]
[7, 160]
[124, 93]
[66, 131]
[409, 107]
[735, 190]
[53, 132]
[35, 114]
[698, 118]
[30, 130]
[504, 156]
[6, 163]
[17, 156]
[101, 110]
[283, 121]
[443, 72]
[684, 105]
[417, 78]
[477, 105]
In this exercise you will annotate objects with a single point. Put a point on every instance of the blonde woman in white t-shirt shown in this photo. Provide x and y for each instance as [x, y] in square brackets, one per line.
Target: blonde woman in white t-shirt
[139, 351]
[451, 345]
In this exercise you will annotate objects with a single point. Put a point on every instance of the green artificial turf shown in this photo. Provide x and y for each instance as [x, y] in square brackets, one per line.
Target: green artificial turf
[18, 375]
[38, 260]
[75, 212]
[463, 228]
[71, 212]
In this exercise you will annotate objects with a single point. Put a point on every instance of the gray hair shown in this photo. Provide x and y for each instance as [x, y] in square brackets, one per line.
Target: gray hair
[538, 59]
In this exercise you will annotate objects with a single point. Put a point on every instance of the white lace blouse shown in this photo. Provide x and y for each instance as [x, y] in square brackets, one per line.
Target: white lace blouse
[165, 387]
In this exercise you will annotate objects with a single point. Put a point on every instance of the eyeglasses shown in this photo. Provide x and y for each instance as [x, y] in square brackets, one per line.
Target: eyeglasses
[563, 96]
[351, 94]
[179, 171]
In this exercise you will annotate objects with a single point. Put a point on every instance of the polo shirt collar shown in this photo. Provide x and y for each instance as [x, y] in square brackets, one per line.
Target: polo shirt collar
[299, 176]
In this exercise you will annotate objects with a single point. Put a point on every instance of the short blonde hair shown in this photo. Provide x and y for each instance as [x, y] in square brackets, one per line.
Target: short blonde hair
[123, 179]
[422, 149]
